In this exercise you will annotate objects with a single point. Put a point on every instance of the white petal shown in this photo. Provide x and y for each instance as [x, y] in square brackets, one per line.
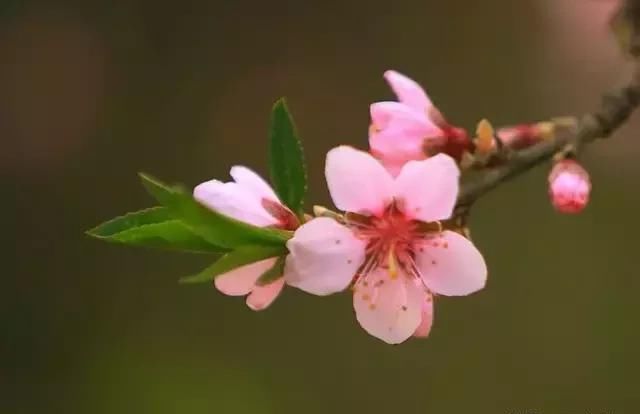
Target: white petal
[252, 182]
[357, 181]
[451, 265]
[427, 189]
[240, 281]
[233, 200]
[389, 309]
[324, 257]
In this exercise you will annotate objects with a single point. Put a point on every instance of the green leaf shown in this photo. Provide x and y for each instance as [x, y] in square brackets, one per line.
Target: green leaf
[241, 256]
[213, 227]
[153, 227]
[286, 159]
[273, 273]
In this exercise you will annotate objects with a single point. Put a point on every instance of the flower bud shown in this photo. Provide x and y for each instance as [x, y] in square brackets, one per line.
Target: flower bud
[485, 137]
[569, 187]
[525, 135]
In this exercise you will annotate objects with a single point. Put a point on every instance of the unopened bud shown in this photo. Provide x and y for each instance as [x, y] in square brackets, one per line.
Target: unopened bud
[569, 187]
[484, 137]
[525, 135]
[545, 130]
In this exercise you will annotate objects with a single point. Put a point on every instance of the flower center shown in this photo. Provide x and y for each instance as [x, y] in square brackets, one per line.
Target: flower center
[391, 241]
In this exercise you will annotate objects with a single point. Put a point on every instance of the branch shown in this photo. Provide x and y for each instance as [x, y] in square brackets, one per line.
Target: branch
[614, 110]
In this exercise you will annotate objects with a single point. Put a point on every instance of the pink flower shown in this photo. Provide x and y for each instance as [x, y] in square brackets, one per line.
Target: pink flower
[389, 244]
[412, 128]
[569, 187]
[250, 199]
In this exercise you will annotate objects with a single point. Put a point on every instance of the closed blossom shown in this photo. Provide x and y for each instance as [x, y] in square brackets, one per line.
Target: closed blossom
[569, 187]
[411, 128]
[249, 199]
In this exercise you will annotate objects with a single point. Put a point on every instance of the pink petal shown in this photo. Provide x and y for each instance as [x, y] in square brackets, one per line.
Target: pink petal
[357, 181]
[240, 281]
[408, 91]
[386, 114]
[402, 136]
[382, 113]
[324, 257]
[427, 190]
[395, 147]
[426, 321]
[388, 308]
[251, 181]
[263, 296]
[451, 265]
[393, 166]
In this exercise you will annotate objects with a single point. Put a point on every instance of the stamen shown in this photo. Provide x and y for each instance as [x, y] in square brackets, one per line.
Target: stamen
[393, 264]
[413, 269]
[431, 228]
[374, 298]
[361, 226]
[369, 264]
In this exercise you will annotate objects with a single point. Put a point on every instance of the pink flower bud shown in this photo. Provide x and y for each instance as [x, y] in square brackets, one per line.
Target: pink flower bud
[517, 136]
[569, 187]
[525, 135]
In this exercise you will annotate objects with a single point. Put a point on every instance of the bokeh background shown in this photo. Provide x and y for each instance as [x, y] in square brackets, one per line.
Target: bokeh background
[91, 92]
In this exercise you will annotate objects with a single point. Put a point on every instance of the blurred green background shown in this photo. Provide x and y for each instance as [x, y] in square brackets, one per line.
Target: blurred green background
[91, 92]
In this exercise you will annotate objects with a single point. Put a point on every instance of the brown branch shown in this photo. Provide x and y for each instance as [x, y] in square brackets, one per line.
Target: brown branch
[614, 110]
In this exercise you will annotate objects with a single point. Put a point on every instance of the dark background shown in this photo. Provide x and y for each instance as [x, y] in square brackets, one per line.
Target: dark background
[92, 92]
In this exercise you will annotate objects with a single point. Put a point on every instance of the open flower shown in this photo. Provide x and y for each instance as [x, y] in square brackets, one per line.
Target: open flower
[412, 128]
[569, 186]
[250, 199]
[390, 243]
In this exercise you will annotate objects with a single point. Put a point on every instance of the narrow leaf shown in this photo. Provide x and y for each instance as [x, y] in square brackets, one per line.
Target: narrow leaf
[155, 228]
[276, 271]
[241, 256]
[213, 227]
[286, 159]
